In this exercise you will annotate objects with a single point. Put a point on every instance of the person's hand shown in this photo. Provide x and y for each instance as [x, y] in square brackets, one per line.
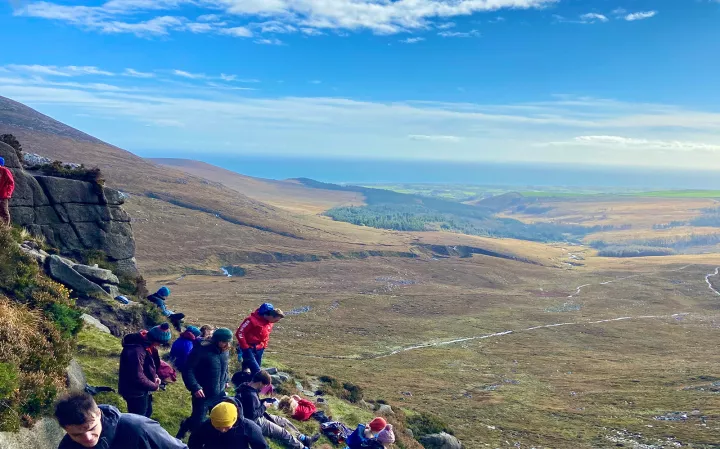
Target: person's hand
[157, 381]
[199, 394]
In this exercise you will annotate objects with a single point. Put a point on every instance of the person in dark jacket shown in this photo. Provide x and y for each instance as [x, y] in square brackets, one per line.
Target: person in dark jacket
[182, 347]
[89, 425]
[227, 429]
[206, 377]
[139, 362]
[273, 427]
[7, 187]
[253, 336]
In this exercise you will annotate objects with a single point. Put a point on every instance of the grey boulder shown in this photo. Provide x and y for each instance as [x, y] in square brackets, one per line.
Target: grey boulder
[96, 274]
[61, 272]
[440, 441]
[76, 379]
[94, 322]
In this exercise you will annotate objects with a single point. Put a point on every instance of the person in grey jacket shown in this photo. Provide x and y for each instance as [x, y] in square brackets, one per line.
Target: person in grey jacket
[89, 425]
[206, 377]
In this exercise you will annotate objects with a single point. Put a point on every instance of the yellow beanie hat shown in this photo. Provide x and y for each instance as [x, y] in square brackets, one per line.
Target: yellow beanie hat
[224, 415]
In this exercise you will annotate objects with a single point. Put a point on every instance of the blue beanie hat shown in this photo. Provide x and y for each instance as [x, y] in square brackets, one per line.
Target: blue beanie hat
[160, 334]
[266, 308]
[164, 292]
[2, 161]
[194, 330]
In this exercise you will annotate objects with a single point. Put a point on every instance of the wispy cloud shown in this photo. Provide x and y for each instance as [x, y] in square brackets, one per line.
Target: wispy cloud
[68, 71]
[269, 41]
[640, 15]
[592, 17]
[471, 33]
[136, 74]
[412, 40]
[563, 128]
[630, 143]
[237, 32]
[381, 17]
[434, 138]
[445, 26]
[192, 76]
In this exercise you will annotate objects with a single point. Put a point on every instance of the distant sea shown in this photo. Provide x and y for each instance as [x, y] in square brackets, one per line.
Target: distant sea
[356, 171]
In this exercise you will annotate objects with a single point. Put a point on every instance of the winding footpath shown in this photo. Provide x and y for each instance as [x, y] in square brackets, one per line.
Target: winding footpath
[529, 329]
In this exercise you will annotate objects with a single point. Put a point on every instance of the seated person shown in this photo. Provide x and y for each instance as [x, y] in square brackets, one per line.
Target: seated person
[297, 407]
[227, 429]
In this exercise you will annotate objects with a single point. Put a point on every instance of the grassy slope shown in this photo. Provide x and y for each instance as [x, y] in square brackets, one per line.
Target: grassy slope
[98, 354]
[286, 195]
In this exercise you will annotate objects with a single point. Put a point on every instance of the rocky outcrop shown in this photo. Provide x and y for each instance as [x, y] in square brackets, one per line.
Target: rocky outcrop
[440, 441]
[65, 274]
[73, 216]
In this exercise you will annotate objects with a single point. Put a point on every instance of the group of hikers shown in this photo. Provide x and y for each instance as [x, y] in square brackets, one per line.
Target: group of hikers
[217, 421]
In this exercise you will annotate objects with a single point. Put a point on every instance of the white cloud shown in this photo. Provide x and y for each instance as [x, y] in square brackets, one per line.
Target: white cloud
[270, 41]
[68, 71]
[434, 138]
[471, 33]
[591, 17]
[136, 74]
[497, 20]
[192, 76]
[379, 16]
[275, 26]
[225, 77]
[311, 32]
[197, 27]
[237, 32]
[445, 26]
[209, 18]
[640, 15]
[412, 40]
[619, 11]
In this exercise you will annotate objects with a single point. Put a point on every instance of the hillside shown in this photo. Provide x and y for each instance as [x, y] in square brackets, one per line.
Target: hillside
[176, 214]
[288, 195]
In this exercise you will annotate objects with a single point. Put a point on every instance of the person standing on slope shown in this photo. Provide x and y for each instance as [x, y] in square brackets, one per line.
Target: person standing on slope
[7, 187]
[183, 346]
[206, 377]
[227, 428]
[89, 425]
[139, 363]
[253, 336]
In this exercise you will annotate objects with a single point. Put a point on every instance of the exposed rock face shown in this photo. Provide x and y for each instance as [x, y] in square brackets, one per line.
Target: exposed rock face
[73, 216]
[76, 379]
[92, 321]
[440, 441]
[98, 275]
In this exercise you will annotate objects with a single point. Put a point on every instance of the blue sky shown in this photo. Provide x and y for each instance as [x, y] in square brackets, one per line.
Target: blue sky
[604, 82]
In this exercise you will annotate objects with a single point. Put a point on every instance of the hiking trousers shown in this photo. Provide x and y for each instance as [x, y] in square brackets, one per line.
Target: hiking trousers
[140, 405]
[252, 360]
[277, 432]
[5, 212]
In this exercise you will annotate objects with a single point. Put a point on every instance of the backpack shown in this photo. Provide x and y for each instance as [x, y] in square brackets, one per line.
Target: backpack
[336, 432]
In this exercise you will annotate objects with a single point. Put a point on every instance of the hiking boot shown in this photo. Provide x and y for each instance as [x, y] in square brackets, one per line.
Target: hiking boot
[309, 441]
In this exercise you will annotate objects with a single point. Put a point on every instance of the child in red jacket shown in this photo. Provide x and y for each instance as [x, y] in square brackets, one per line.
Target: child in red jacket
[7, 187]
[298, 408]
[253, 336]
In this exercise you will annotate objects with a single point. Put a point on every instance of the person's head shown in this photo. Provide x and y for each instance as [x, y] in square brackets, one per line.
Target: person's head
[260, 380]
[159, 335]
[163, 292]
[387, 435]
[206, 331]
[2, 162]
[377, 424]
[80, 416]
[224, 416]
[222, 338]
[288, 404]
[194, 330]
[270, 313]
